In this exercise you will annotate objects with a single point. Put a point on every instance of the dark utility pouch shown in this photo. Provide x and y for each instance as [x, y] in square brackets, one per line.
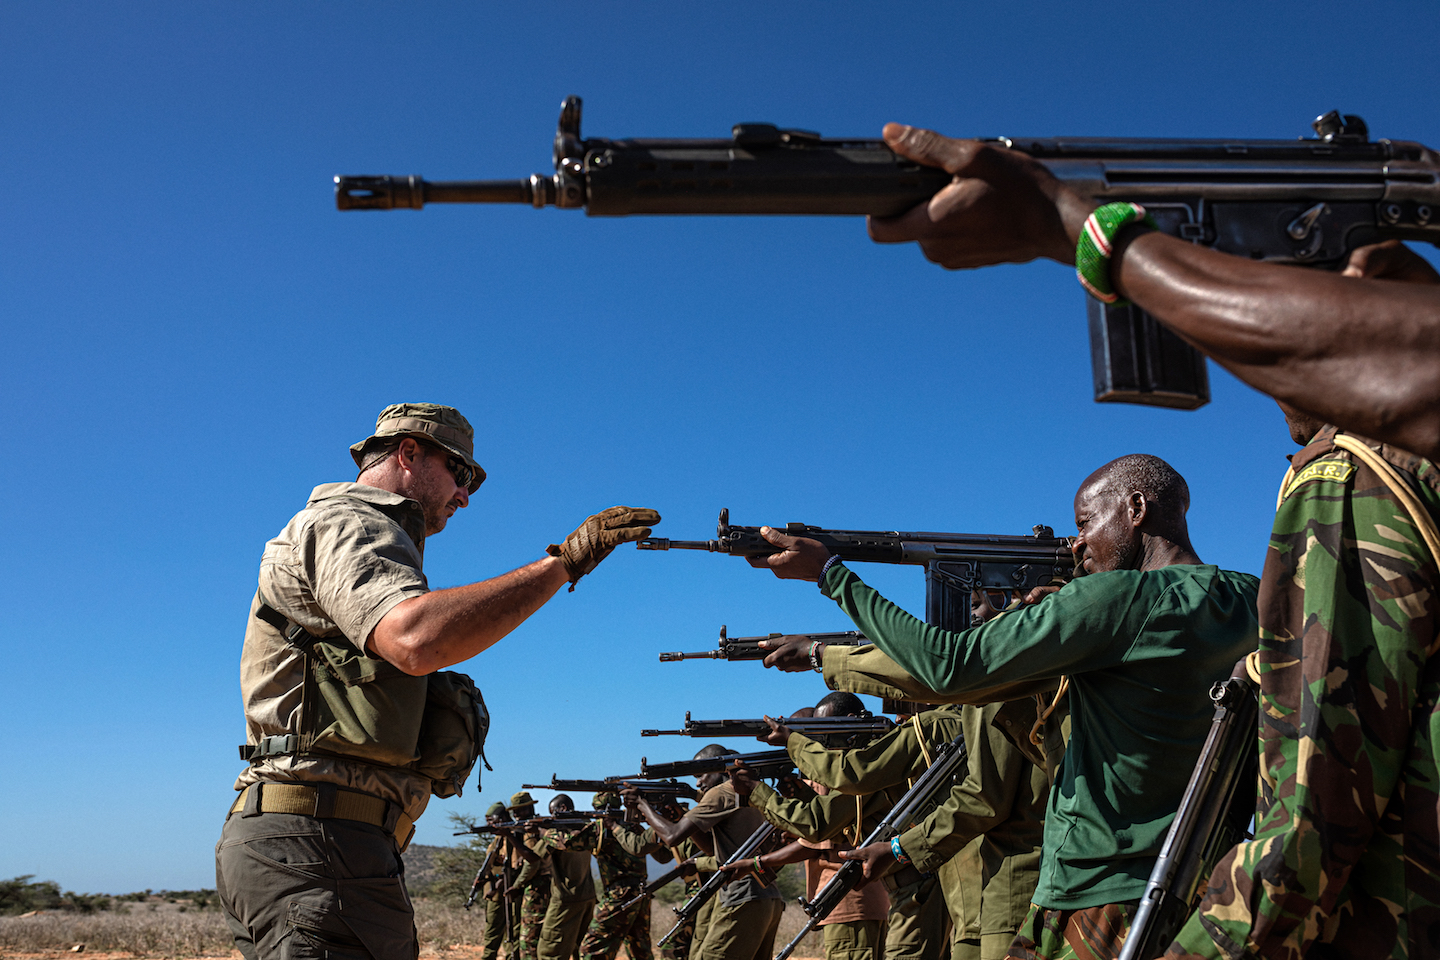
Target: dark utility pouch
[364, 708]
[452, 732]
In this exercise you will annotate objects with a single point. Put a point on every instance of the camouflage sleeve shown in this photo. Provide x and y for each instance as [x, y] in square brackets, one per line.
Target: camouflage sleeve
[1348, 612]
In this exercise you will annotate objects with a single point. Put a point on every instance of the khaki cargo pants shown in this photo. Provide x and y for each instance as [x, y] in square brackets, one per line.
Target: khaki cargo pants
[295, 887]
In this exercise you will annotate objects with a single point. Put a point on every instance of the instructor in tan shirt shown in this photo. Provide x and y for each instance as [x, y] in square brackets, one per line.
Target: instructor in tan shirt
[337, 673]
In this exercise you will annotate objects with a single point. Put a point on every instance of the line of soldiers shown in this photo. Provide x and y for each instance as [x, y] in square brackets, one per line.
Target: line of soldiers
[546, 871]
[963, 897]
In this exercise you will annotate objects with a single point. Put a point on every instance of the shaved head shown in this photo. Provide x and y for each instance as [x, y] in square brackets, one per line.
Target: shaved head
[1162, 485]
[713, 750]
[839, 704]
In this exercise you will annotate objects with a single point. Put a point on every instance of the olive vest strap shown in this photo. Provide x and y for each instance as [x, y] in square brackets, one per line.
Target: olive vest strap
[304, 641]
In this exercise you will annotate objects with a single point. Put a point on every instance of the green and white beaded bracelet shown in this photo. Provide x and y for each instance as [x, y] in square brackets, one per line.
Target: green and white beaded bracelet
[1093, 249]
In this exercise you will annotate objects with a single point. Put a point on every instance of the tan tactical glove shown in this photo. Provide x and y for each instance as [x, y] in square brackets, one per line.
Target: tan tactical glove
[593, 540]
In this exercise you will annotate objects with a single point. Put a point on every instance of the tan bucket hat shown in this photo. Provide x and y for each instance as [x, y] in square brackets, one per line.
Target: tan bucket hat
[441, 425]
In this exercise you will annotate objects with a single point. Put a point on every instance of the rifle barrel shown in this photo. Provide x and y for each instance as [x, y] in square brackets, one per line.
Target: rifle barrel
[660, 543]
[391, 193]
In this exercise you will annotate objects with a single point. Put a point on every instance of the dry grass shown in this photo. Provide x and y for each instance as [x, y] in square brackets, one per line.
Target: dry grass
[142, 930]
[165, 930]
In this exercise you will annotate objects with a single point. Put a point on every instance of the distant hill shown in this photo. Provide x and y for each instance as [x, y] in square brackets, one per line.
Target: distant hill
[420, 870]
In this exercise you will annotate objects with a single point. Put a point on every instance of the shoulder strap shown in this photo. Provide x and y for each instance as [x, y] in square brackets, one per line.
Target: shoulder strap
[1418, 514]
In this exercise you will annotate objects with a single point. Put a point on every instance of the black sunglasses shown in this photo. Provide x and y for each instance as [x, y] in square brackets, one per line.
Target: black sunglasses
[463, 473]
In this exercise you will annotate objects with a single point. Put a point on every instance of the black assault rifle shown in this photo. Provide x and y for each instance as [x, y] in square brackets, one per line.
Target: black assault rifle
[653, 887]
[483, 873]
[765, 763]
[836, 731]
[652, 786]
[753, 846]
[1287, 201]
[748, 648]
[955, 563]
[933, 784]
[1214, 815]
[573, 820]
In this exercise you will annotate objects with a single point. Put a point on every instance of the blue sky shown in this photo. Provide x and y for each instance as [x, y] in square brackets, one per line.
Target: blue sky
[194, 336]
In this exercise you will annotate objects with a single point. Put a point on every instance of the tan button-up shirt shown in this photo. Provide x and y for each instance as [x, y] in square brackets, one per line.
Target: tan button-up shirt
[336, 569]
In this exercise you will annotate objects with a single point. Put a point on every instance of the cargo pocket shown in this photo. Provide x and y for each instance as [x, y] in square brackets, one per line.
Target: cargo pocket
[314, 934]
[367, 918]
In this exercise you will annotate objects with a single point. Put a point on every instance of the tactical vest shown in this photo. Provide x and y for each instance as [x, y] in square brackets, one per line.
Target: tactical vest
[363, 709]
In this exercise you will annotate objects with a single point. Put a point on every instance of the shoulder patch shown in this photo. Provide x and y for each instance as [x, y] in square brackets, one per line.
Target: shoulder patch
[1337, 470]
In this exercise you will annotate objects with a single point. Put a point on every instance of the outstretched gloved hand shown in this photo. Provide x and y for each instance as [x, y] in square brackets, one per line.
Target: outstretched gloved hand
[593, 540]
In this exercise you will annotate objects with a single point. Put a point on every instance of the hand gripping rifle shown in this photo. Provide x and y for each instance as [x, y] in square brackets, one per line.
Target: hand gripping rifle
[1215, 814]
[766, 764]
[687, 910]
[949, 763]
[748, 648]
[847, 732]
[655, 786]
[655, 791]
[955, 563]
[1306, 202]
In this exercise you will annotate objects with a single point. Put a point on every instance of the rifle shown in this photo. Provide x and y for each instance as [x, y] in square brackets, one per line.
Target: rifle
[687, 910]
[483, 873]
[664, 880]
[1287, 201]
[765, 763]
[657, 786]
[574, 820]
[848, 732]
[918, 800]
[748, 648]
[1215, 813]
[955, 563]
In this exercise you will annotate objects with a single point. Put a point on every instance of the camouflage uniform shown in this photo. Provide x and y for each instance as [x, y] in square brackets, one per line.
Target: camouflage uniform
[620, 853]
[1344, 861]
[535, 878]
[495, 931]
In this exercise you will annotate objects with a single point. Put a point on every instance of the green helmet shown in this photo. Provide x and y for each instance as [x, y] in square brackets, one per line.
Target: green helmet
[606, 801]
[497, 809]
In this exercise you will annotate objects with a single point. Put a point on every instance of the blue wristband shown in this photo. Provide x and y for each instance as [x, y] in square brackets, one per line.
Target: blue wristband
[834, 559]
[897, 852]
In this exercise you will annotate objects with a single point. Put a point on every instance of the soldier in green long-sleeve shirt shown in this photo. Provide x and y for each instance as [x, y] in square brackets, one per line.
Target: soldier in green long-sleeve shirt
[1141, 639]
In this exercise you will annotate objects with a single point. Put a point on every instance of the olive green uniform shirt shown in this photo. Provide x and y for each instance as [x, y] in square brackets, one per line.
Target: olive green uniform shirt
[731, 822]
[569, 854]
[336, 569]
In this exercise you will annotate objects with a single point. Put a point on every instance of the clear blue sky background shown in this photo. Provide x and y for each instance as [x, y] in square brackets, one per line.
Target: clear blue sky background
[193, 335]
